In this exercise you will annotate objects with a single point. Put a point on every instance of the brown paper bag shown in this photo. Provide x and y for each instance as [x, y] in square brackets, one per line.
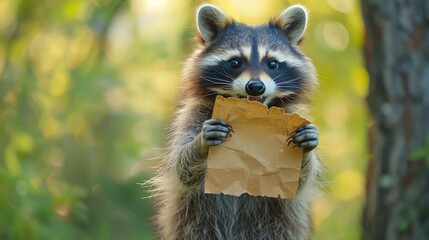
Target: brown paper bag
[256, 159]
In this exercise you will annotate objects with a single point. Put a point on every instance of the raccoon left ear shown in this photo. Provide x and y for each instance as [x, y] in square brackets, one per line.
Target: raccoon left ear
[210, 22]
[293, 22]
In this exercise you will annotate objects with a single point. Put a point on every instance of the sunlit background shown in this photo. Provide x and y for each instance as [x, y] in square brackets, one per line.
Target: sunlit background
[88, 87]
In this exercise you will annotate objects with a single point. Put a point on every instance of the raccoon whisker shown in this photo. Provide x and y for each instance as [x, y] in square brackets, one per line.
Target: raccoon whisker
[284, 99]
[226, 79]
[209, 94]
[281, 74]
[228, 75]
[295, 79]
[216, 81]
[292, 85]
[281, 100]
[289, 85]
[213, 93]
[293, 88]
[284, 94]
[289, 81]
[224, 73]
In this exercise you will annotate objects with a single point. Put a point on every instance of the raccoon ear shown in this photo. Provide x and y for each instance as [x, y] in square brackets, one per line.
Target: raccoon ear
[293, 22]
[210, 22]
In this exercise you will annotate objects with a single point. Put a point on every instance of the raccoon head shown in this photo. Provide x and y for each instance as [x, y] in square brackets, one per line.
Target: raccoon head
[262, 63]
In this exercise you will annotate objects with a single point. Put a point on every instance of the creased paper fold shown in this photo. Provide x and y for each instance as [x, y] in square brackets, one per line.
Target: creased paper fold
[256, 159]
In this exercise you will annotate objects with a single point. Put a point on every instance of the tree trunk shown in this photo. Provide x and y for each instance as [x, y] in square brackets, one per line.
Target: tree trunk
[397, 59]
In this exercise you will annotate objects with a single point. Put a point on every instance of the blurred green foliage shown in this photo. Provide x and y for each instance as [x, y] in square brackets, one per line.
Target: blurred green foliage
[88, 86]
[65, 155]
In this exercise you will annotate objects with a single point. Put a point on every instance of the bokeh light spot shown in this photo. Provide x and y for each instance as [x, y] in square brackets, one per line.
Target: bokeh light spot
[322, 209]
[63, 210]
[49, 126]
[75, 124]
[56, 157]
[59, 84]
[7, 13]
[116, 99]
[35, 182]
[47, 52]
[250, 8]
[78, 10]
[79, 46]
[339, 139]
[344, 6]
[336, 36]
[335, 113]
[11, 159]
[250, 11]
[348, 185]
[23, 142]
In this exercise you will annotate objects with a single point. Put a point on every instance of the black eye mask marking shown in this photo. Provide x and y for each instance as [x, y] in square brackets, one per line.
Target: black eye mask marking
[285, 77]
[221, 75]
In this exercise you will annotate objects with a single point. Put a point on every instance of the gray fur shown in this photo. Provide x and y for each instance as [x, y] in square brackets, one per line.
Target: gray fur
[185, 212]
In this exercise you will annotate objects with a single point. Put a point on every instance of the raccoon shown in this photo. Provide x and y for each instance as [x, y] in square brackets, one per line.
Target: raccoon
[261, 63]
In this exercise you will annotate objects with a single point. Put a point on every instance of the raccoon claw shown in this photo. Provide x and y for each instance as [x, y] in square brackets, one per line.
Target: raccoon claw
[230, 129]
[306, 137]
[289, 140]
[215, 132]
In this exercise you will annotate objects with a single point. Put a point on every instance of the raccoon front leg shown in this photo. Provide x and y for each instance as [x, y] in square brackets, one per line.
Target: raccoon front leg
[193, 155]
[307, 137]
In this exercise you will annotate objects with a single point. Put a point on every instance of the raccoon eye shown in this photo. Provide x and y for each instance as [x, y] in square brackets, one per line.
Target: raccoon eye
[273, 64]
[235, 63]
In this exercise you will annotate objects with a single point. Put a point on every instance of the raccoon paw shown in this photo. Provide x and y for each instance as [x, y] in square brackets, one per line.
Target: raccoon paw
[306, 137]
[215, 132]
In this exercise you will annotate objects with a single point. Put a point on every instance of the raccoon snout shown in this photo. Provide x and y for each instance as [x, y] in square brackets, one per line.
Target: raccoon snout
[255, 88]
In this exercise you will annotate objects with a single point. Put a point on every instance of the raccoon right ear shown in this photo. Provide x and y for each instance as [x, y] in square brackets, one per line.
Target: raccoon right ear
[293, 22]
[210, 22]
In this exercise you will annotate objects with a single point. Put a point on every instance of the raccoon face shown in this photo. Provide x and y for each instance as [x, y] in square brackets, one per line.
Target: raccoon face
[262, 63]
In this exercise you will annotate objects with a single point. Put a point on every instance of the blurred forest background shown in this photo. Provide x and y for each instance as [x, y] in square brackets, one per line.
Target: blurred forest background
[87, 89]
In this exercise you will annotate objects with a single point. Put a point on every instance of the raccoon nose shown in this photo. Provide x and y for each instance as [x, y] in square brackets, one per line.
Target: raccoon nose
[255, 88]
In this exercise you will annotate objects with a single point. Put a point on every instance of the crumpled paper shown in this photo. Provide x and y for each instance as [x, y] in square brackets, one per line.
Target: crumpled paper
[255, 159]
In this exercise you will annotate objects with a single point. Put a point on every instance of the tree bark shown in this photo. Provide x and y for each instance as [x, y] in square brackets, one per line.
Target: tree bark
[397, 59]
